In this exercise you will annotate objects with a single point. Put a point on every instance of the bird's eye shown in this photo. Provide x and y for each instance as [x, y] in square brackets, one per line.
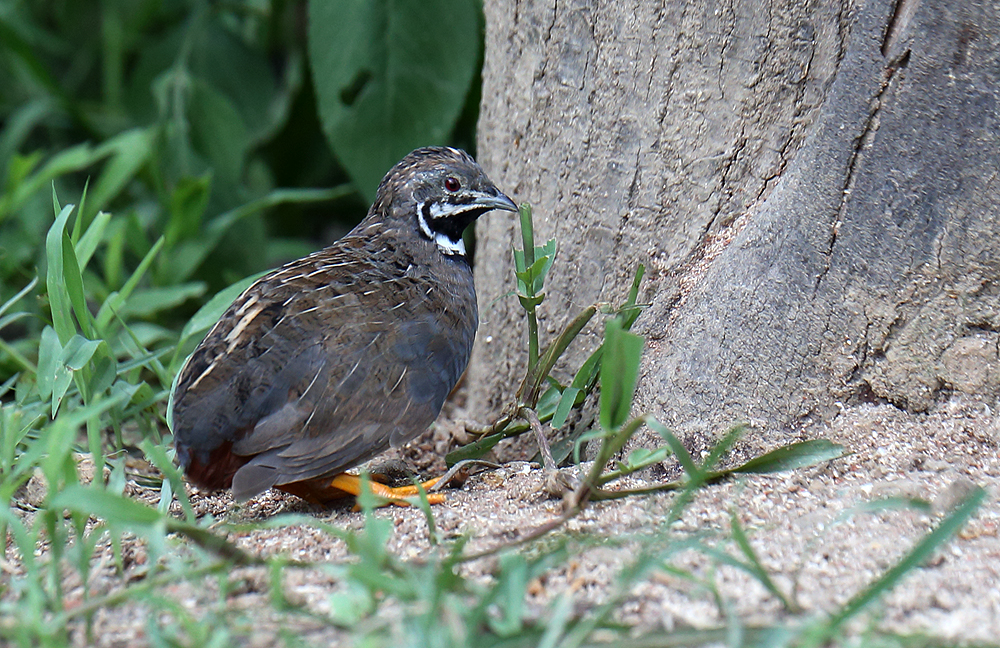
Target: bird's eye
[452, 184]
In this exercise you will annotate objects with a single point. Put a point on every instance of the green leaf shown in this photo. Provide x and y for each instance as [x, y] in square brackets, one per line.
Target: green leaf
[78, 352]
[555, 625]
[6, 306]
[531, 280]
[105, 370]
[566, 402]
[55, 277]
[157, 455]
[582, 383]
[509, 594]
[923, 550]
[187, 206]
[351, 605]
[527, 256]
[150, 301]
[619, 372]
[546, 406]
[69, 160]
[130, 151]
[629, 311]
[534, 276]
[476, 449]
[189, 254]
[676, 447]
[530, 303]
[218, 131]
[49, 353]
[640, 455]
[533, 380]
[390, 76]
[792, 456]
[19, 122]
[245, 75]
[74, 287]
[87, 244]
[115, 301]
[753, 565]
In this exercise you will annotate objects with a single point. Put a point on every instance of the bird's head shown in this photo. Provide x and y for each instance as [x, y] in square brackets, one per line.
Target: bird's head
[441, 191]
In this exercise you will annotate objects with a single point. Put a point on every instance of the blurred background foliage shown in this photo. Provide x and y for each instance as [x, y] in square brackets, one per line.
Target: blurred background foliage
[213, 140]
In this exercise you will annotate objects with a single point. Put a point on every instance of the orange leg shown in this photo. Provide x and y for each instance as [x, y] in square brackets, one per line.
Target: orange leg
[346, 485]
[352, 484]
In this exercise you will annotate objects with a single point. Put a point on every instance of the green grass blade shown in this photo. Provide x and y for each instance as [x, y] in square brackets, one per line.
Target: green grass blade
[78, 223]
[145, 303]
[88, 243]
[116, 300]
[50, 369]
[629, 312]
[676, 447]
[74, 287]
[619, 372]
[129, 151]
[157, 456]
[484, 444]
[190, 254]
[723, 446]
[754, 566]
[69, 160]
[555, 627]
[792, 456]
[527, 235]
[55, 278]
[912, 560]
[567, 400]
[16, 298]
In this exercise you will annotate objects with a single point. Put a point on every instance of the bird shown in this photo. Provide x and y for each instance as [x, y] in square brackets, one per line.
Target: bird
[327, 361]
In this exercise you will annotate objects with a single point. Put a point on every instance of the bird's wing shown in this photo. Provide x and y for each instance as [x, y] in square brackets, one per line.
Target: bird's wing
[385, 391]
[308, 382]
[249, 368]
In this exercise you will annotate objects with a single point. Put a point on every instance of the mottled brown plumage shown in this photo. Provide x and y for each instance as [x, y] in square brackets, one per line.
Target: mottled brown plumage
[329, 360]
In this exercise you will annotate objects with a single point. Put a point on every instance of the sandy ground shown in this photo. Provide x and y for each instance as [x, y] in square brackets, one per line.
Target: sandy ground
[806, 527]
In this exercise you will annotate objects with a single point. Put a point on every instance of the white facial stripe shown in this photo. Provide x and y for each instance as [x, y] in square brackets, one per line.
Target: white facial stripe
[441, 209]
[424, 227]
[448, 246]
[445, 210]
[445, 244]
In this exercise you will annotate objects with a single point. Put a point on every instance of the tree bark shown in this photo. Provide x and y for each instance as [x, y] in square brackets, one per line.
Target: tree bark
[812, 187]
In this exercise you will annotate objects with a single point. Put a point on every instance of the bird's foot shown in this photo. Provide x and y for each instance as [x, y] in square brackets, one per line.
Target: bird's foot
[351, 485]
[327, 491]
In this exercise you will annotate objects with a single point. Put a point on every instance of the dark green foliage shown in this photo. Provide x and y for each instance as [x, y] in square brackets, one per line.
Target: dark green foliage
[196, 125]
[390, 76]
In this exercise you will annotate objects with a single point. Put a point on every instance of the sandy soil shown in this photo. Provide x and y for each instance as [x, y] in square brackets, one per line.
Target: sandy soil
[806, 527]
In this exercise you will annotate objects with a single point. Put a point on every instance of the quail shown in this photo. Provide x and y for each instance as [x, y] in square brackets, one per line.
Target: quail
[327, 361]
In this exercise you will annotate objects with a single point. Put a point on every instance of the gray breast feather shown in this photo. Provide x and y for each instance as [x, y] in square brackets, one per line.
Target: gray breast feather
[436, 359]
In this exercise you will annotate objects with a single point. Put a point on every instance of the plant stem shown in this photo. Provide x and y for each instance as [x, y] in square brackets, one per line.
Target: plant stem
[528, 241]
[531, 417]
[609, 448]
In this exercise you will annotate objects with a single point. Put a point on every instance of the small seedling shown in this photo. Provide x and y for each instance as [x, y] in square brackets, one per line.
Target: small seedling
[539, 395]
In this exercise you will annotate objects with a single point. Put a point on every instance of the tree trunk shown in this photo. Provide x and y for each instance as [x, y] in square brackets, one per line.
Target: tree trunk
[812, 187]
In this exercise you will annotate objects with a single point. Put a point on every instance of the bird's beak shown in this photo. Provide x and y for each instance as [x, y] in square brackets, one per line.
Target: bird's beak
[499, 201]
